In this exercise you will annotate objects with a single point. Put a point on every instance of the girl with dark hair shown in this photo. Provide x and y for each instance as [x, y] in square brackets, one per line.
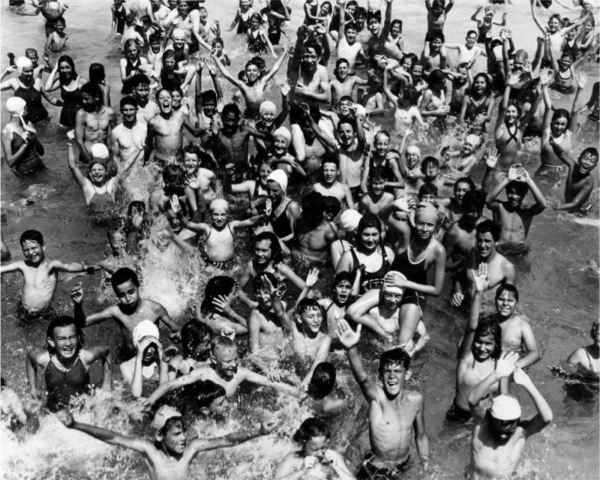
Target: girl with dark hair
[215, 310]
[314, 459]
[195, 349]
[130, 65]
[98, 77]
[64, 76]
[369, 260]
[433, 103]
[478, 104]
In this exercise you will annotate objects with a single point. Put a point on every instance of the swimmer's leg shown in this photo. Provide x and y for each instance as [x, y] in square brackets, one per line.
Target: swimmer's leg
[410, 314]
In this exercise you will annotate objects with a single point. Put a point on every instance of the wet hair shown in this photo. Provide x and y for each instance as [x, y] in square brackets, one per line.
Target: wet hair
[507, 287]
[124, 275]
[170, 423]
[396, 356]
[561, 113]
[231, 108]
[351, 26]
[256, 16]
[520, 187]
[193, 149]
[313, 208]
[411, 94]
[331, 159]
[140, 79]
[311, 428]
[97, 73]
[468, 180]
[488, 325]
[173, 174]
[208, 96]
[488, 226]
[155, 37]
[218, 40]
[396, 21]
[169, 54]
[161, 90]
[258, 61]
[31, 51]
[307, 304]
[471, 32]
[475, 199]
[63, 321]
[330, 6]
[315, 46]
[276, 252]
[377, 174]
[332, 206]
[590, 151]
[344, 121]
[92, 89]
[69, 60]
[128, 100]
[31, 236]
[322, 381]
[340, 61]
[436, 77]
[221, 285]
[128, 43]
[368, 221]
[221, 342]
[207, 392]
[428, 189]
[488, 87]
[259, 281]
[192, 334]
[513, 103]
[427, 160]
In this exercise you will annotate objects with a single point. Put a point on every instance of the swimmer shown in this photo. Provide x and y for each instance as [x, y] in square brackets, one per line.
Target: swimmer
[342, 85]
[195, 349]
[129, 312]
[128, 138]
[322, 400]
[207, 101]
[468, 52]
[387, 160]
[147, 109]
[169, 456]
[215, 309]
[511, 215]
[349, 49]
[580, 182]
[437, 10]
[40, 275]
[395, 414]
[454, 205]
[485, 24]
[149, 365]
[329, 185]
[200, 167]
[377, 197]
[347, 227]
[342, 298]
[314, 460]
[588, 357]
[56, 42]
[224, 371]
[499, 433]
[66, 364]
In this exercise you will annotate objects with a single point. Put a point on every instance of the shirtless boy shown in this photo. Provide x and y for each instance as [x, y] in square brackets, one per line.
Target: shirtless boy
[511, 215]
[65, 364]
[93, 122]
[348, 48]
[169, 456]
[343, 84]
[329, 186]
[57, 40]
[40, 275]
[223, 370]
[454, 205]
[128, 138]
[147, 109]
[377, 197]
[499, 433]
[437, 10]
[128, 313]
[394, 413]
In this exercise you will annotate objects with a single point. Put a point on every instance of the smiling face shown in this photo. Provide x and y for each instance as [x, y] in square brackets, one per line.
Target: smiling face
[553, 25]
[343, 69]
[424, 228]
[127, 294]
[89, 102]
[382, 144]
[480, 85]
[175, 440]
[377, 186]
[483, 347]
[330, 172]
[262, 252]
[395, 29]
[98, 174]
[65, 341]
[344, 107]
[191, 162]
[559, 126]
[430, 170]
[183, 8]
[342, 291]
[471, 39]
[142, 92]
[33, 252]
[263, 172]
[392, 299]
[230, 122]
[374, 25]
[506, 304]
[436, 44]
[128, 112]
[346, 134]
[310, 59]
[392, 378]
[226, 362]
[150, 352]
[311, 320]
[65, 71]
[514, 197]
[165, 102]
[34, 57]
[460, 190]
[351, 35]
[587, 162]
[169, 64]
[179, 40]
[268, 117]
[370, 238]
[219, 216]
[132, 52]
[511, 115]
[252, 73]
[280, 145]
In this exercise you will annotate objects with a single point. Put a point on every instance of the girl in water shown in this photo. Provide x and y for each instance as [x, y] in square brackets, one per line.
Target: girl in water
[242, 17]
[314, 458]
[215, 310]
[406, 110]
[195, 349]
[268, 258]
[558, 125]
[22, 149]
[285, 211]
[64, 76]
[130, 65]
[269, 121]
[255, 189]
[394, 44]
[433, 102]
[98, 77]
[257, 41]
[370, 259]
[478, 104]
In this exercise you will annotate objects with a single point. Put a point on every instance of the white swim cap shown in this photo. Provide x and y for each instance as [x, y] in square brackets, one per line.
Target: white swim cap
[22, 63]
[266, 107]
[349, 220]
[283, 132]
[144, 329]
[280, 177]
[427, 211]
[219, 203]
[99, 151]
[163, 414]
[505, 407]
[16, 106]
[390, 288]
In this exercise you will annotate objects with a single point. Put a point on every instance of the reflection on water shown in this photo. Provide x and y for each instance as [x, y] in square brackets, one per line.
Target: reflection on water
[559, 294]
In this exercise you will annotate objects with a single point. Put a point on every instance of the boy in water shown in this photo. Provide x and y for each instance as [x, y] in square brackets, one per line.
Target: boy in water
[437, 10]
[65, 364]
[330, 186]
[499, 433]
[320, 392]
[394, 413]
[511, 215]
[128, 313]
[57, 40]
[169, 456]
[377, 197]
[40, 276]
[343, 84]
[454, 205]
[580, 183]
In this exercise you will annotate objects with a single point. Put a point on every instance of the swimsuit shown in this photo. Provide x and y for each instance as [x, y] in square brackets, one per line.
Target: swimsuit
[256, 44]
[120, 17]
[221, 238]
[244, 23]
[564, 85]
[414, 272]
[369, 471]
[33, 97]
[31, 162]
[281, 224]
[63, 385]
[370, 280]
[101, 201]
[129, 69]
[73, 102]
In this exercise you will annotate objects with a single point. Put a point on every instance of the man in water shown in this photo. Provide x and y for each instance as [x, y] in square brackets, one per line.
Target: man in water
[499, 433]
[165, 131]
[93, 122]
[128, 138]
[146, 108]
[128, 313]
[169, 456]
[393, 411]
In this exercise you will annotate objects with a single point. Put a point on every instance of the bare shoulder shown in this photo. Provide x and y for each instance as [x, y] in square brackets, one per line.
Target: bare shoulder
[39, 358]
[414, 397]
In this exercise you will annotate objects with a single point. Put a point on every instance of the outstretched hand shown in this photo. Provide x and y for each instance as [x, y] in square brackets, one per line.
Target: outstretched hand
[77, 293]
[491, 157]
[311, 278]
[482, 281]
[348, 337]
[506, 364]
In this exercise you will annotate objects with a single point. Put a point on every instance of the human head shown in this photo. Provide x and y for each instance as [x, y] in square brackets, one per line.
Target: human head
[33, 247]
[313, 435]
[437, 79]
[473, 203]
[96, 73]
[267, 249]
[170, 429]
[311, 54]
[507, 300]
[164, 99]
[461, 187]
[32, 54]
[147, 330]
[25, 68]
[391, 295]
[426, 220]
[224, 356]
[430, 167]
[125, 284]
[516, 192]
[396, 26]
[141, 87]
[310, 315]
[595, 331]
[219, 211]
[230, 117]
[560, 121]
[504, 416]
[66, 68]
[368, 235]
[342, 286]
[332, 208]
[487, 234]
[191, 158]
[428, 193]
[392, 369]
[277, 182]
[282, 139]
[211, 399]
[60, 24]
[64, 337]
[195, 340]
[481, 85]
[587, 161]
[91, 96]
[219, 286]
[413, 156]
[322, 381]
[487, 340]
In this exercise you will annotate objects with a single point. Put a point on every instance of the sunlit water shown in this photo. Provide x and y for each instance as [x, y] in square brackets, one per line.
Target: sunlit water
[558, 294]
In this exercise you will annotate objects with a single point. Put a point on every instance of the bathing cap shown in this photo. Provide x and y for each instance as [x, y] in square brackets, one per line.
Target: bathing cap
[16, 106]
[349, 220]
[219, 203]
[283, 132]
[280, 177]
[162, 415]
[178, 32]
[521, 55]
[266, 107]
[489, 10]
[389, 288]
[414, 149]
[99, 151]
[473, 139]
[144, 329]
[22, 63]
[505, 407]
[427, 211]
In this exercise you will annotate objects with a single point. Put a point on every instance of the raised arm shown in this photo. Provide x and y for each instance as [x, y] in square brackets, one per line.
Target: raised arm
[535, 19]
[276, 67]
[80, 177]
[544, 415]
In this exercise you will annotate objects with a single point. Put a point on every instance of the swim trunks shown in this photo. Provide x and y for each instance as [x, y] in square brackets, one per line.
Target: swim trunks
[42, 315]
[369, 471]
[513, 249]
[456, 414]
